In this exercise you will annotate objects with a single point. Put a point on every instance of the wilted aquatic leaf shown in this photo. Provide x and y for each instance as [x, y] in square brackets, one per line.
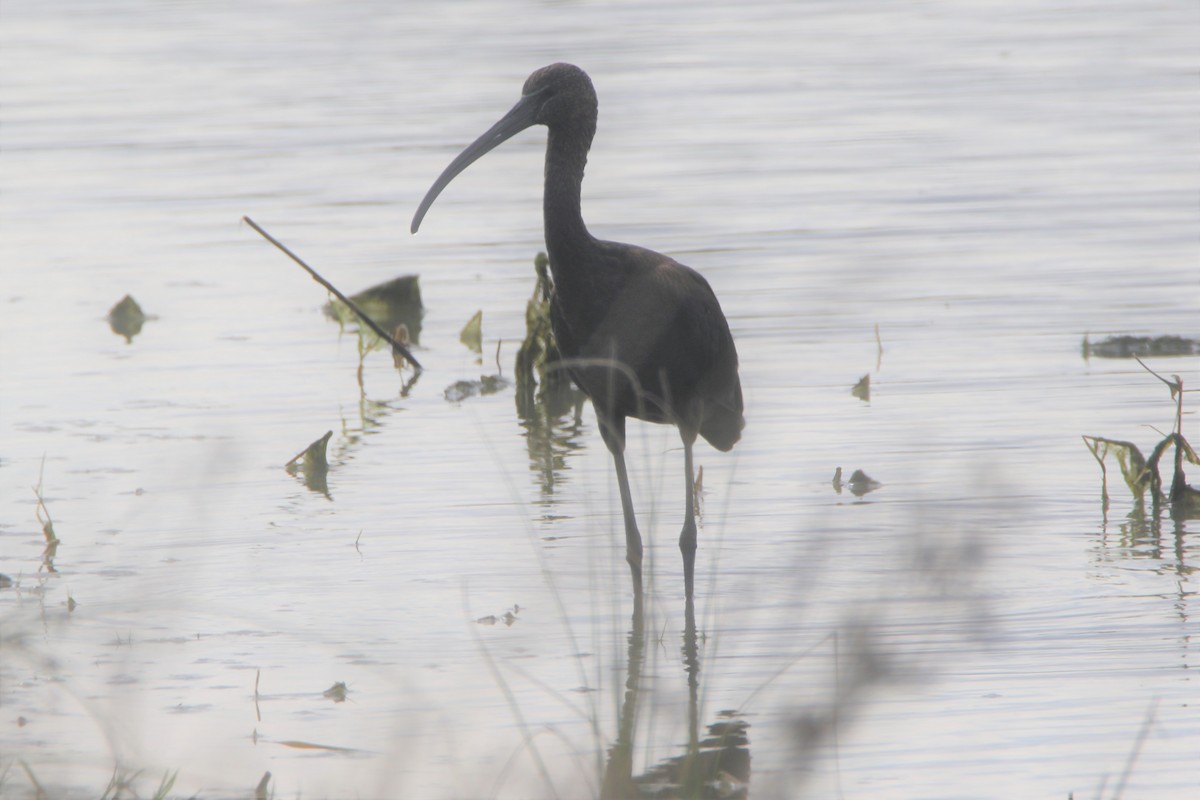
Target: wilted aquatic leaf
[390, 304]
[862, 389]
[337, 692]
[126, 318]
[1129, 457]
[314, 456]
[472, 333]
[313, 464]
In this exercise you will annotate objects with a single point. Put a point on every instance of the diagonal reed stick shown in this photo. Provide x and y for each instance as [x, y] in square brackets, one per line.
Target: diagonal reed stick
[397, 347]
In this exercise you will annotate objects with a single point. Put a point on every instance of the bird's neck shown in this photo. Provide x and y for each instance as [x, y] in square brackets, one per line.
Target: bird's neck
[567, 238]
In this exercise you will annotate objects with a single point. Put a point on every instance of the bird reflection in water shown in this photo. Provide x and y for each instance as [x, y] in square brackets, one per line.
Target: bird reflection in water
[717, 766]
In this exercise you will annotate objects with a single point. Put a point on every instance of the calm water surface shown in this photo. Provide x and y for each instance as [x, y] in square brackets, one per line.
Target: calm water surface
[985, 182]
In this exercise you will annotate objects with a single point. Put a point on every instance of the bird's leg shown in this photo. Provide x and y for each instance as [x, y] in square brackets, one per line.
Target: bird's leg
[687, 538]
[613, 433]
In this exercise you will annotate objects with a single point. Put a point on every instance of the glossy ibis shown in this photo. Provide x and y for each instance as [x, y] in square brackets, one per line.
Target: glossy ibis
[641, 334]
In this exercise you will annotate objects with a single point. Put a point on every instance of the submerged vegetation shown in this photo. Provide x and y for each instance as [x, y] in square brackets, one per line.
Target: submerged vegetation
[1143, 346]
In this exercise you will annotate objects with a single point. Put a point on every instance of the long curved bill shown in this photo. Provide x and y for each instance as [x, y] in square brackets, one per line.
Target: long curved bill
[520, 117]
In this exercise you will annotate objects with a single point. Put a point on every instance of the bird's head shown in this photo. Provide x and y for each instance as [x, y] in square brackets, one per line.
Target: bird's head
[562, 95]
[559, 96]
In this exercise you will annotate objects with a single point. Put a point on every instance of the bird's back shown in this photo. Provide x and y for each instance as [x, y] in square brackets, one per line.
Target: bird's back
[662, 323]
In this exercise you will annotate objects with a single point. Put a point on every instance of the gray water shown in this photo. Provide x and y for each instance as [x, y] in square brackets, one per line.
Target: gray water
[983, 183]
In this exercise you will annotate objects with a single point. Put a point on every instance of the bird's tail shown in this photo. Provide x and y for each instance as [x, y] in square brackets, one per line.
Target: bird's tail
[723, 422]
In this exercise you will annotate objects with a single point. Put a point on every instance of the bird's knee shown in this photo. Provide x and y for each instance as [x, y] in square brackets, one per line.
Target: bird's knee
[633, 555]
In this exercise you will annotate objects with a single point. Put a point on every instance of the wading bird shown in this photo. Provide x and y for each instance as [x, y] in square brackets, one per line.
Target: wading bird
[641, 334]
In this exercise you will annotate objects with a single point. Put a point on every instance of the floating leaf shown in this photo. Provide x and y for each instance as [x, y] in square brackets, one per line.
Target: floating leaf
[862, 389]
[860, 483]
[314, 456]
[472, 333]
[313, 463]
[509, 617]
[126, 318]
[487, 384]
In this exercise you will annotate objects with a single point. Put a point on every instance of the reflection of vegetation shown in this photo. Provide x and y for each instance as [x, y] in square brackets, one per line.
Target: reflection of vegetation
[126, 318]
[545, 394]
[52, 540]
[553, 426]
[313, 464]
[1143, 474]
